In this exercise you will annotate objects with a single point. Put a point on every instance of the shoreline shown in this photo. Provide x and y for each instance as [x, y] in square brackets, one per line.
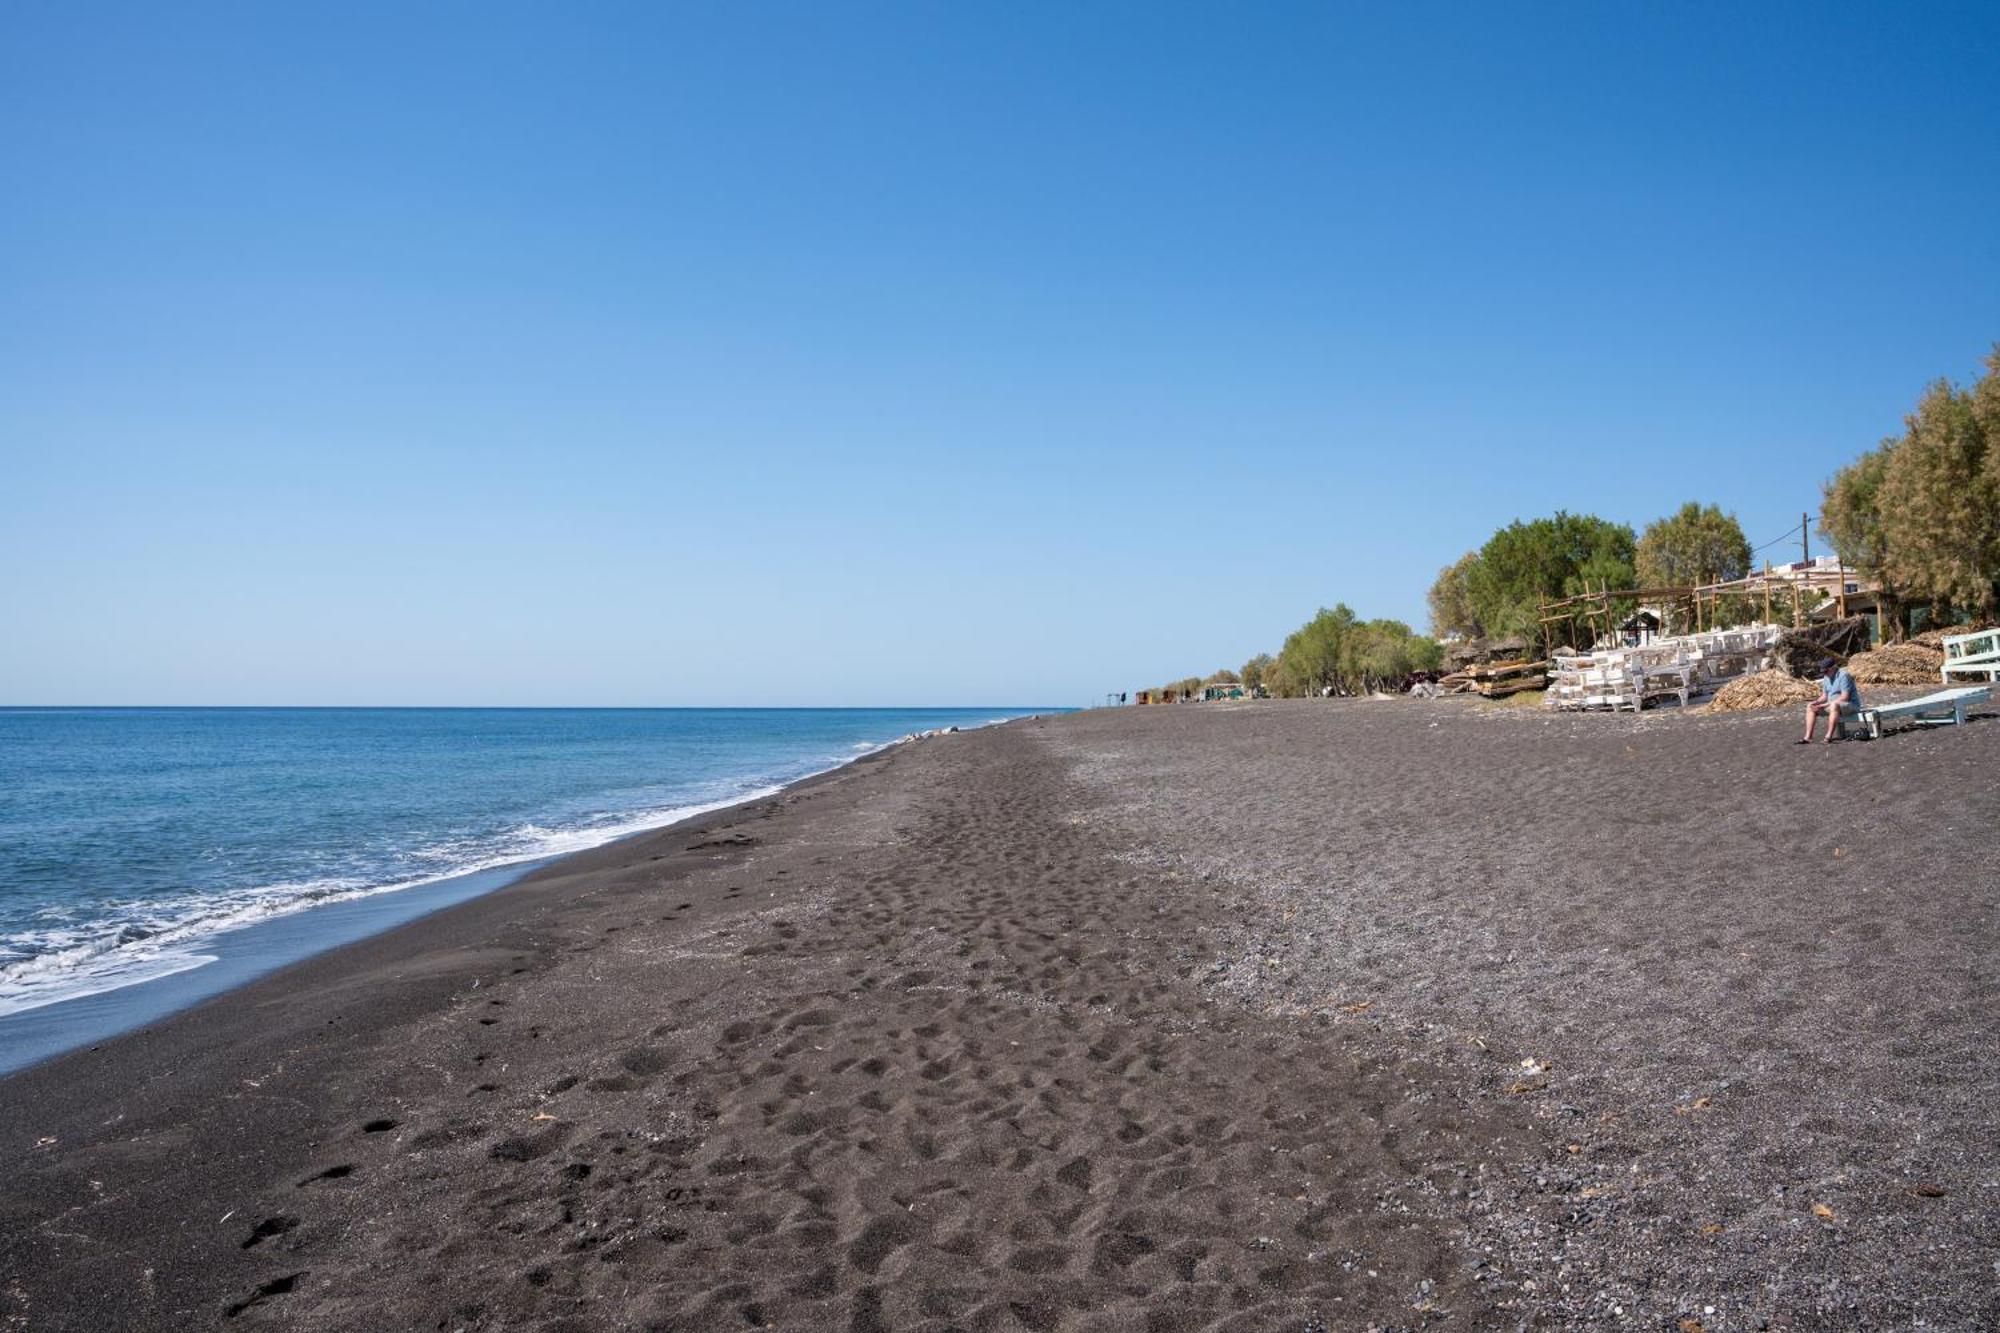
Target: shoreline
[330, 1012]
[243, 952]
[1213, 1018]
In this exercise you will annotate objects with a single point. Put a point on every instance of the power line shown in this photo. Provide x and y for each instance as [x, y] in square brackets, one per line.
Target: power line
[1785, 537]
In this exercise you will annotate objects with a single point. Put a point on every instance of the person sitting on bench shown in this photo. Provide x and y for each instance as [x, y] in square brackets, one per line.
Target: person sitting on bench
[1838, 700]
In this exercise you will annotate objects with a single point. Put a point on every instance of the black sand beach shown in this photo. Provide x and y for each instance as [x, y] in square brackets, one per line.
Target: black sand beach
[1275, 1016]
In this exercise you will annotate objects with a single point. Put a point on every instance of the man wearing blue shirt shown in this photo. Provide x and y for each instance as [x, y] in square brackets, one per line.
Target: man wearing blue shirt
[1838, 699]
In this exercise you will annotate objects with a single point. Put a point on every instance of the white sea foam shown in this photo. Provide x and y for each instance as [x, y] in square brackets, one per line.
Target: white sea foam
[135, 942]
[74, 973]
[129, 943]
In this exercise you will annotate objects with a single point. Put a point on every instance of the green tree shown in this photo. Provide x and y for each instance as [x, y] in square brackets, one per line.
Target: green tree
[1224, 676]
[1850, 517]
[1920, 513]
[1386, 652]
[1452, 608]
[1940, 506]
[1697, 544]
[1283, 680]
[1986, 411]
[1311, 655]
[1524, 565]
[1256, 672]
[1338, 651]
[1850, 512]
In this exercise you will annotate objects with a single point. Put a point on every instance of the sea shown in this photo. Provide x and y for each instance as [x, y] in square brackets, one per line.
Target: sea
[152, 857]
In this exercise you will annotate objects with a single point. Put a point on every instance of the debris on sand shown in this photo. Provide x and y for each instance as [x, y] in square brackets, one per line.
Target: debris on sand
[1475, 651]
[1934, 638]
[1897, 664]
[1800, 651]
[1497, 680]
[1767, 689]
[932, 734]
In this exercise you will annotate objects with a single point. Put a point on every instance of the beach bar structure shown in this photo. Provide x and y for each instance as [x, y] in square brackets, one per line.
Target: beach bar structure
[1801, 586]
[1641, 627]
[1807, 584]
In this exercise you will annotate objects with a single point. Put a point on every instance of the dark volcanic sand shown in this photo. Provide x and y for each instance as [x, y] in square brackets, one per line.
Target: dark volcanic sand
[1191, 1018]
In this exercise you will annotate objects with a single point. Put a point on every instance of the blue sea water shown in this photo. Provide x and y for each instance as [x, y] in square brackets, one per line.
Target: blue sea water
[140, 844]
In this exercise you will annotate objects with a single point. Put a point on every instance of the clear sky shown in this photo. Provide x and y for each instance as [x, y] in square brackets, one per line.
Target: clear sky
[941, 353]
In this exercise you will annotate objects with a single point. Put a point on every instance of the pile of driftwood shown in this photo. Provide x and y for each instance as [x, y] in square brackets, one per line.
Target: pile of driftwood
[1766, 689]
[1919, 660]
[1496, 680]
[1898, 664]
[1465, 653]
[1934, 638]
[1492, 667]
[1800, 651]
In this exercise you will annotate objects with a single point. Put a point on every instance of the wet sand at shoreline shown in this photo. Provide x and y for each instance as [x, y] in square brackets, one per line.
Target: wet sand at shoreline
[1189, 1018]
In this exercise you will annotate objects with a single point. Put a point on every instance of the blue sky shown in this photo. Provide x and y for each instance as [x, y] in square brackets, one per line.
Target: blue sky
[941, 353]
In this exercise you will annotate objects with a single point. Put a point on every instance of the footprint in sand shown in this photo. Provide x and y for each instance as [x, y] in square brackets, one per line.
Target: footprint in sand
[644, 1061]
[879, 1239]
[530, 1147]
[269, 1227]
[277, 1286]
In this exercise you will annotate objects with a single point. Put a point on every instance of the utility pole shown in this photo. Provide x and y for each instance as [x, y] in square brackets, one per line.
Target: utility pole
[1805, 541]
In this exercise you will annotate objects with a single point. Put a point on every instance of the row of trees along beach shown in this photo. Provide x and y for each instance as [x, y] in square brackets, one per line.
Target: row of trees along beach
[1918, 515]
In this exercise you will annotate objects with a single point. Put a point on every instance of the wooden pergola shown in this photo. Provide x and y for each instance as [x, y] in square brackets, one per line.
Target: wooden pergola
[1702, 602]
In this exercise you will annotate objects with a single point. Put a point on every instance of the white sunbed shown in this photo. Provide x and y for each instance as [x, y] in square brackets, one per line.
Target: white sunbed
[1945, 708]
[1972, 656]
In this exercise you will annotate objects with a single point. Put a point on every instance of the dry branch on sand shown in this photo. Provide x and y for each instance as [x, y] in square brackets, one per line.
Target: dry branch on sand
[1934, 638]
[1497, 679]
[1766, 689]
[1897, 664]
[1800, 651]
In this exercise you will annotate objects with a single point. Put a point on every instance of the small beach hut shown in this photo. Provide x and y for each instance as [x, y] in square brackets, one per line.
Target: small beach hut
[1640, 628]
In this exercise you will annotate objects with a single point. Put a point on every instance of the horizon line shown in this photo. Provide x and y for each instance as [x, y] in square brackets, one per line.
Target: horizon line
[525, 708]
